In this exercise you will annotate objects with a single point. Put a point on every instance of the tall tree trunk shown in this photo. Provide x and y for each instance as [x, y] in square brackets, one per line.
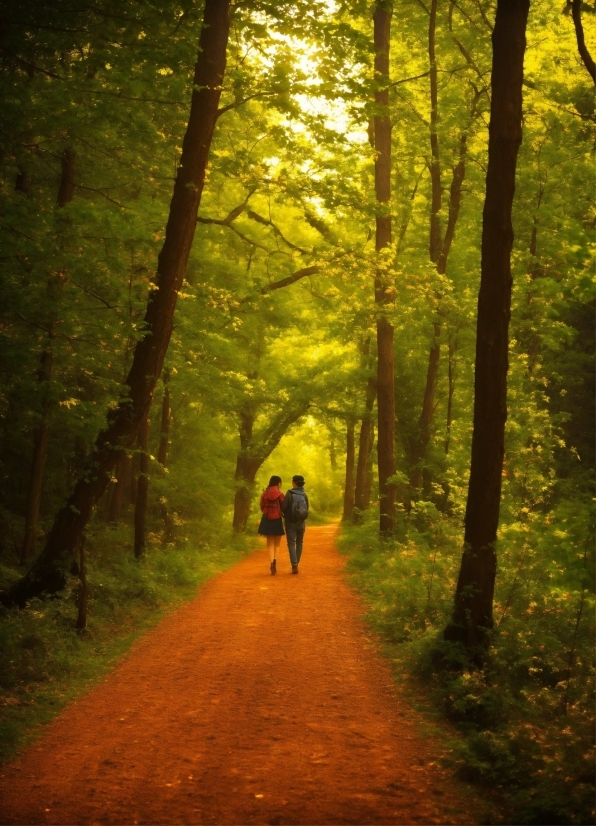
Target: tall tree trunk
[66, 192]
[473, 611]
[368, 479]
[365, 440]
[332, 451]
[384, 291]
[142, 488]
[452, 345]
[48, 573]
[40, 451]
[439, 245]
[349, 485]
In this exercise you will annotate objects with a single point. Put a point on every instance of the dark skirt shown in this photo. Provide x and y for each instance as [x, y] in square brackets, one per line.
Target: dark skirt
[271, 527]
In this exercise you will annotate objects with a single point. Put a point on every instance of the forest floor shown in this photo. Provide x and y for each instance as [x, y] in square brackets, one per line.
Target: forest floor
[264, 700]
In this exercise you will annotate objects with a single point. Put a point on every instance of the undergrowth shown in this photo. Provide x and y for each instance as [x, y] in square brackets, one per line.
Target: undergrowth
[526, 721]
[45, 662]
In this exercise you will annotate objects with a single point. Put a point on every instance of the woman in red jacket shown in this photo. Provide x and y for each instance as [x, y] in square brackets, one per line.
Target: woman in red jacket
[271, 525]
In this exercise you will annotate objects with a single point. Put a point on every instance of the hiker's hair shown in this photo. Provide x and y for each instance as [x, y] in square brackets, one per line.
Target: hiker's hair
[274, 482]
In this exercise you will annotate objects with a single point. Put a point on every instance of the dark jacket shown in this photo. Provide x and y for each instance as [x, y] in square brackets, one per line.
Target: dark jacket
[287, 507]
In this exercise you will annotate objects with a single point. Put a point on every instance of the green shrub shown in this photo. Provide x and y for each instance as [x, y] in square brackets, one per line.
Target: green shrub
[526, 720]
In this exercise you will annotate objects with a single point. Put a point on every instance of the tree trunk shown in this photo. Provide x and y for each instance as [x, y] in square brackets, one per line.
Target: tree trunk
[162, 453]
[246, 471]
[120, 487]
[40, 451]
[49, 572]
[349, 486]
[439, 246]
[452, 345]
[166, 415]
[368, 479]
[384, 293]
[434, 244]
[67, 179]
[365, 440]
[66, 192]
[473, 611]
[142, 488]
[428, 408]
[82, 612]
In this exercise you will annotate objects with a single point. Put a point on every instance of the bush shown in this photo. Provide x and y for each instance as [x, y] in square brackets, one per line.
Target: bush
[526, 720]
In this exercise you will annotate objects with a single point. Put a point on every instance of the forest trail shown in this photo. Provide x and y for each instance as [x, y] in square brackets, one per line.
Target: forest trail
[263, 700]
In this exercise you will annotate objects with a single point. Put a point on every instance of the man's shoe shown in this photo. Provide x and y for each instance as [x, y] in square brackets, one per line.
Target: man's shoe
[273, 567]
[294, 569]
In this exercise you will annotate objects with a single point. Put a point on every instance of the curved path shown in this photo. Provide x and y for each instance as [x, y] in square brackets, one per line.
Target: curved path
[262, 701]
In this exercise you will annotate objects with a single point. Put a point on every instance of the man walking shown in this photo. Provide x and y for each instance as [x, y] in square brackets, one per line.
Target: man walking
[295, 510]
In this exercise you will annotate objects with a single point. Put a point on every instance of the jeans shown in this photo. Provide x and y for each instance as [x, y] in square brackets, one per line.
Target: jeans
[295, 537]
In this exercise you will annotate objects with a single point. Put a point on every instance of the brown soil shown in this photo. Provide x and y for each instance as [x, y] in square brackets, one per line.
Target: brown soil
[262, 701]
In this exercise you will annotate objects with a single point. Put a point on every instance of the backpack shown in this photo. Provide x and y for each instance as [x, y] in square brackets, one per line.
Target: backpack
[273, 508]
[299, 506]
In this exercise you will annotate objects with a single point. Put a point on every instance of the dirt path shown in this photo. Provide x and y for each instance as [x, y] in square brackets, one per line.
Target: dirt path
[262, 701]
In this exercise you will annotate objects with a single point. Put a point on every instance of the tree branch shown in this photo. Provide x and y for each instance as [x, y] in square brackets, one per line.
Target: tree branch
[268, 223]
[585, 55]
[238, 103]
[92, 294]
[290, 279]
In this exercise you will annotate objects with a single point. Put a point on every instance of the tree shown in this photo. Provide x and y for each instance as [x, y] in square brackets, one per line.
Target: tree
[473, 612]
[348, 510]
[439, 241]
[49, 571]
[384, 293]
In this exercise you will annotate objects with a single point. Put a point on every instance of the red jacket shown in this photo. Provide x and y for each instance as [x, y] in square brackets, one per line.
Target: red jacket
[271, 500]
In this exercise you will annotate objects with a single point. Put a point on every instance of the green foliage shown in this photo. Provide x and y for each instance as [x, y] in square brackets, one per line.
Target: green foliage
[526, 719]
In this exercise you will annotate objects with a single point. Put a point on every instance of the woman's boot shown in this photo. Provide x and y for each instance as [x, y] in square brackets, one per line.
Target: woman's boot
[273, 567]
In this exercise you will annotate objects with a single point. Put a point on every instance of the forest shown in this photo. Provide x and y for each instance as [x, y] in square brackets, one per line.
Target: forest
[348, 239]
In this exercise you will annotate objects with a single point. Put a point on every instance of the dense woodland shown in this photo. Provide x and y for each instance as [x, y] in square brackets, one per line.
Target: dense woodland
[293, 253]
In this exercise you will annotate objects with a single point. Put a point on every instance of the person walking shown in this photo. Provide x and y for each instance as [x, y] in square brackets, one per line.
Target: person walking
[295, 511]
[271, 524]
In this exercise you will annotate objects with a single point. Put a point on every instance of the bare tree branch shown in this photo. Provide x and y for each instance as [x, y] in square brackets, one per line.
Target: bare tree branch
[268, 223]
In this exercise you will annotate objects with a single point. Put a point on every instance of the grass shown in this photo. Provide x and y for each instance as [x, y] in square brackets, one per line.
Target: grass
[45, 663]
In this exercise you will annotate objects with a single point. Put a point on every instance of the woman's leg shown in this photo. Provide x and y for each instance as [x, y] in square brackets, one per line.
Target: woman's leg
[277, 544]
[271, 547]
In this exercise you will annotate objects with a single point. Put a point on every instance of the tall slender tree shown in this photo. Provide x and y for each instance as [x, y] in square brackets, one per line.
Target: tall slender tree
[41, 440]
[49, 571]
[439, 245]
[348, 510]
[384, 292]
[473, 612]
